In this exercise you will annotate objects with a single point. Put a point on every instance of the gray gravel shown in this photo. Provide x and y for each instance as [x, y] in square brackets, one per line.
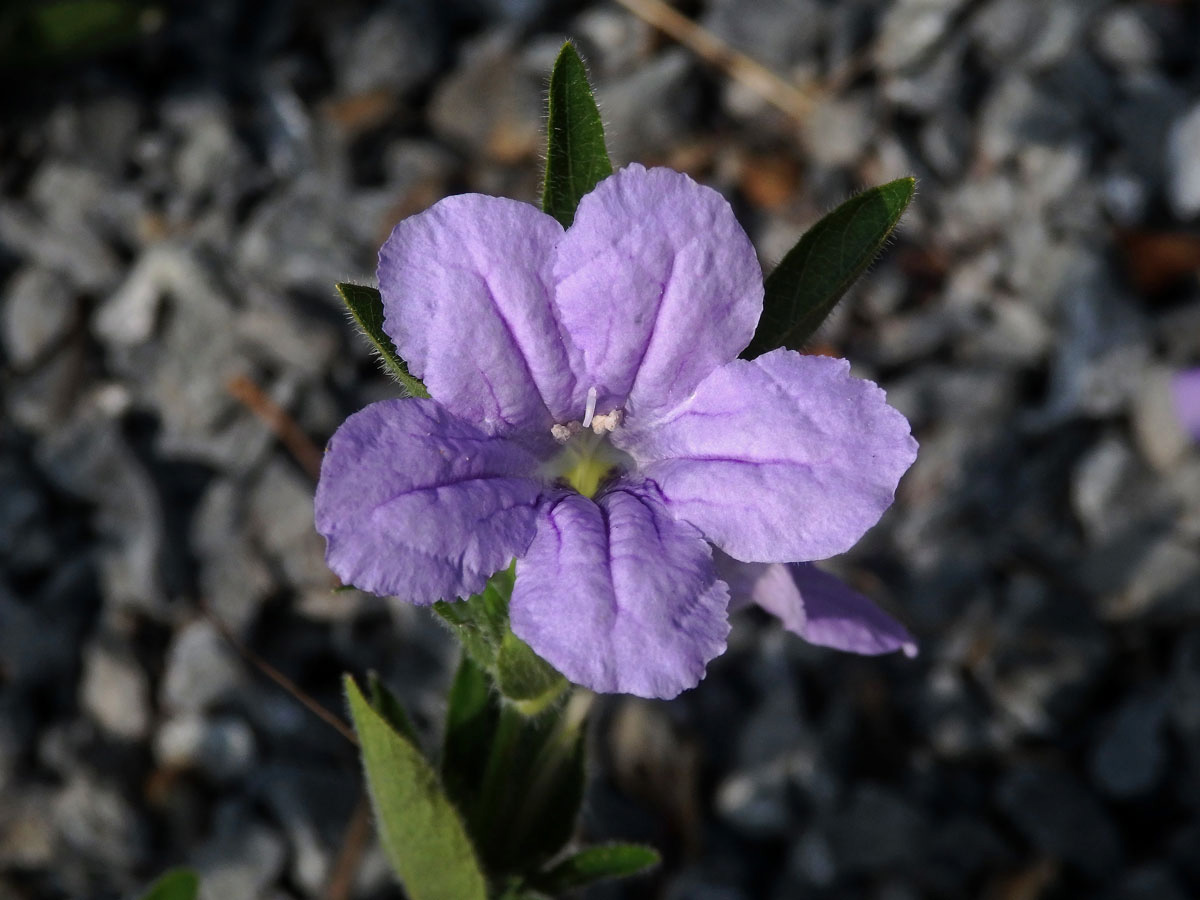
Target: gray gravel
[173, 215]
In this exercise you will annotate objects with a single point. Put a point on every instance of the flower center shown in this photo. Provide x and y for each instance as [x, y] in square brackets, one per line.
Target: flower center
[588, 458]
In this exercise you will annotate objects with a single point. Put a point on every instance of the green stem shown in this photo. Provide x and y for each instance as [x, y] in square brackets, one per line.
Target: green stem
[547, 765]
[496, 771]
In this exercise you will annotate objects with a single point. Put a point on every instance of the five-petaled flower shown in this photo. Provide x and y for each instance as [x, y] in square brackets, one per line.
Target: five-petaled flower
[591, 419]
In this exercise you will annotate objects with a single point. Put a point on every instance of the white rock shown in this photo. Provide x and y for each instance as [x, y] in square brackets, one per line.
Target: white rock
[1183, 165]
[115, 692]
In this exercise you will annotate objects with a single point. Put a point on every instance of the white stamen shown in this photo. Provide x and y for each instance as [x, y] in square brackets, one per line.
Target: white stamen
[561, 433]
[590, 410]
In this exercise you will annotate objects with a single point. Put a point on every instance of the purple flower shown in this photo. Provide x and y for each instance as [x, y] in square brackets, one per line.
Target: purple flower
[591, 418]
[1185, 391]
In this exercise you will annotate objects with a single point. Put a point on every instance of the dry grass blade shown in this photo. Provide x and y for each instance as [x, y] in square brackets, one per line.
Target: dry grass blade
[737, 65]
[278, 677]
[354, 845]
[289, 432]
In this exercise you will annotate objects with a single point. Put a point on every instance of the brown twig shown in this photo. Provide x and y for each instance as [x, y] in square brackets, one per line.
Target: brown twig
[354, 845]
[285, 428]
[278, 677]
[741, 68]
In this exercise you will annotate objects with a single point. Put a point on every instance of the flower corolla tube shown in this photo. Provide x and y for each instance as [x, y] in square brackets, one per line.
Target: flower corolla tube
[591, 419]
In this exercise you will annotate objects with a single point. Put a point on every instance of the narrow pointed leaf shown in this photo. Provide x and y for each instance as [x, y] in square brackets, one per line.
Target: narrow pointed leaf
[366, 307]
[805, 287]
[177, 884]
[598, 863]
[384, 702]
[420, 830]
[576, 158]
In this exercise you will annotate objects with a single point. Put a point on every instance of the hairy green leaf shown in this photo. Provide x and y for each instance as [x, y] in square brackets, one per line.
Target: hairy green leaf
[481, 620]
[177, 884]
[805, 287]
[597, 863]
[366, 306]
[419, 828]
[384, 702]
[576, 158]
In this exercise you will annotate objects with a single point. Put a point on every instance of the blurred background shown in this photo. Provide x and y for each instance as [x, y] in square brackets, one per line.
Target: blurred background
[180, 187]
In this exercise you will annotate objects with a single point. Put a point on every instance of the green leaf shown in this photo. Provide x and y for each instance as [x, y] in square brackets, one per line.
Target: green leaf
[472, 712]
[366, 307]
[811, 279]
[594, 864]
[177, 884]
[525, 678]
[576, 158]
[481, 621]
[481, 624]
[387, 705]
[53, 31]
[419, 829]
[554, 777]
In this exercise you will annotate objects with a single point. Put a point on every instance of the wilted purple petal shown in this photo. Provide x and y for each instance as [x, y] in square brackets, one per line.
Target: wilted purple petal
[618, 596]
[815, 605]
[1185, 389]
[466, 301]
[658, 285]
[785, 457]
[417, 504]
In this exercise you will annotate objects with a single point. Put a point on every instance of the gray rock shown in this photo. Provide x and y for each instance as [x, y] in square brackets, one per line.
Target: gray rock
[201, 670]
[1058, 816]
[1102, 348]
[1018, 112]
[24, 528]
[1160, 437]
[612, 42]
[1143, 119]
[244, 858]
[651, 108]
[1125, 40]
[879, 829]
[1128, 758]
[222, 747]
[210, 162]
[280, 514]
[1183, 165]
[931, 89]
[90, 458]
[489, 103]
[28, 834]
[396, 48]
[945, 142]
[313, 804]
[297, 237]
[115, 691]
[812, 859]
[910, 29]
[38, 309]
[74, 250]
[755, 801]
[234, 579]
[1102, 477]
[838, 129]
[780, 33]
[97, 822]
